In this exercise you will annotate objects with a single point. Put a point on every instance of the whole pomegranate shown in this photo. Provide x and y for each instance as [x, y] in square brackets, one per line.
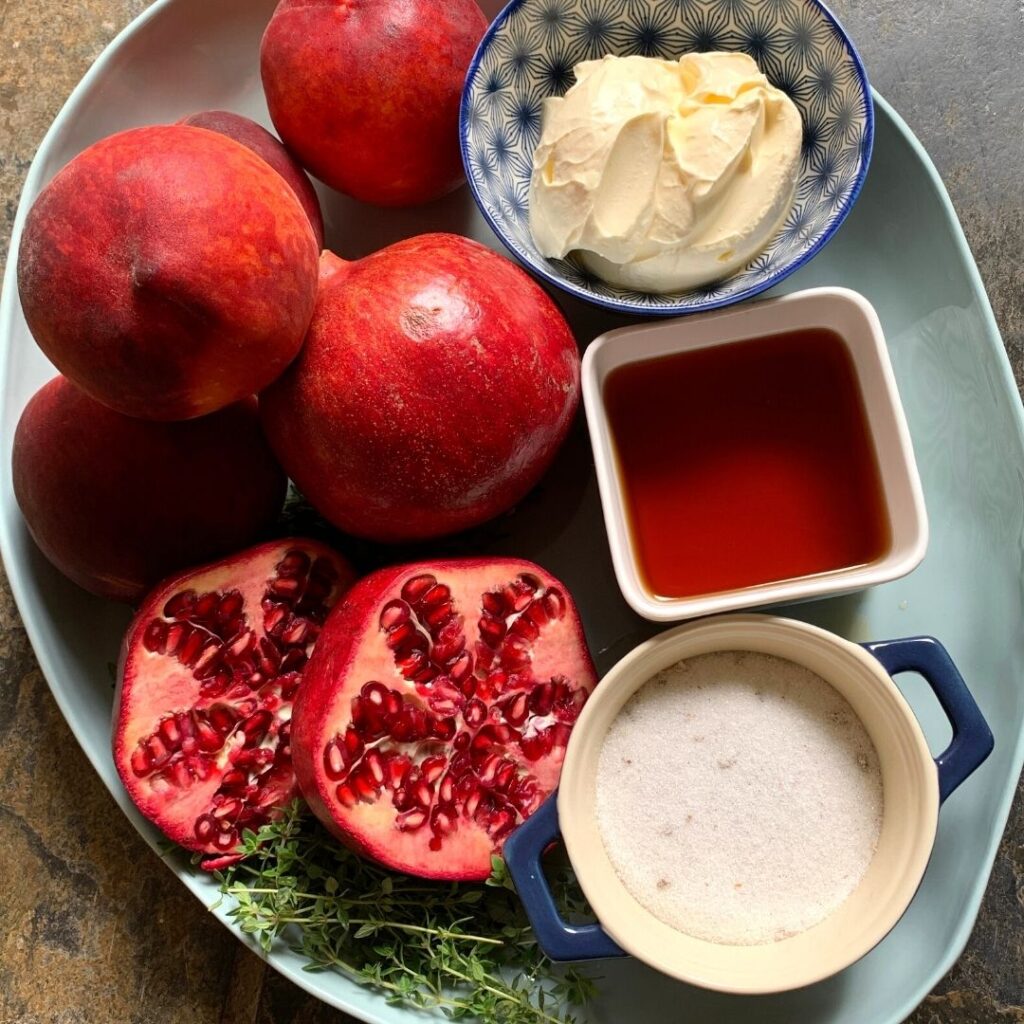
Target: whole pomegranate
[168, 272]
[436, 708]
[367, 95]
[118, 503]
[209, 669]
[435, 386]
[255, 137]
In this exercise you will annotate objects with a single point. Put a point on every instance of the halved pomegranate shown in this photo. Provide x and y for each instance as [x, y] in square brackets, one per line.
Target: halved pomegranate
[436, 708]
[209, 669]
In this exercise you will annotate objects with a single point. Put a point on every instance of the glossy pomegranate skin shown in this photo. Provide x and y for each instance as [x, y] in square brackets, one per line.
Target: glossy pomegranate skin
[436, 384]
[366, 93]
[436, 640]
[208, 671]
[118, 503]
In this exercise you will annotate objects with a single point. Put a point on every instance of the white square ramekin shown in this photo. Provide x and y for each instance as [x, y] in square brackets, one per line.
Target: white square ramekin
[854, 319]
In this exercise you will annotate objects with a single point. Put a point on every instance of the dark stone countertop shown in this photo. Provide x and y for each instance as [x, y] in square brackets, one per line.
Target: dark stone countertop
[95, 928]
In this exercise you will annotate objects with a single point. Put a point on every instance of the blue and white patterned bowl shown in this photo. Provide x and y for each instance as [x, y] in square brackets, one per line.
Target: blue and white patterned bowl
[530, 50]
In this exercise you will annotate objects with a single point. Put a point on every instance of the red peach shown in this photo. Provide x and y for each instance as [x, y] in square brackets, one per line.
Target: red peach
[367, 95]
[118, 503]
[255, 137]
[168, 272]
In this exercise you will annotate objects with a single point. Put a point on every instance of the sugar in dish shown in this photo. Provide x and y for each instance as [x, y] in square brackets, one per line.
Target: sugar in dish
[739, 797]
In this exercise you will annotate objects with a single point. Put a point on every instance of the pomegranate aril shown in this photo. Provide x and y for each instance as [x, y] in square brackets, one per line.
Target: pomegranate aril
[170, 732]
[414, 588]
[505, 775]
[140, 761]
[538, 745]
[492, 631]
[205, 828]
[374, 765]
[285, 587]
[346, 795]
[294, 563]
[294, 661]
[529, 580]
[256, 727]
[444, 728]
[190, 647]
[432, 768]
[461, 670]
[461, 741]
[154, 638]
[226, 840]
[423, 794]
[269, 657]
[489, 768]
[323, 569]
[475, 713]
[180, 606]
[273, 617]
[296, 632]
[492, 603]
[398, 766]
[410, 821]
[515, 708]
[441, 823]
[524, 627]
[334, 763]
[501, 823]
[446, 791]
[234, 781]
[554, 603]
[230, 606]
[515, 654]
[437, 616]
[393, 614]
[209, 660]
[226, 808]
[365, 787]
[205, 606]
[207, 738]
[222, 717]
[542, 699]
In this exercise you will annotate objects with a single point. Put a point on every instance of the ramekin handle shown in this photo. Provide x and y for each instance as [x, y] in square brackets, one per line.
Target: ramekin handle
[972, 739]
[558, 939]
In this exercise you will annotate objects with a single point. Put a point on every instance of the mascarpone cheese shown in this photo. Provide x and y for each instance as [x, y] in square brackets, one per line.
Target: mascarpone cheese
[664, 175]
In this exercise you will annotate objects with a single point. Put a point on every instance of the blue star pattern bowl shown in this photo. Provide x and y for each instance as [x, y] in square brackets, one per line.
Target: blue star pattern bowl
[530, 50]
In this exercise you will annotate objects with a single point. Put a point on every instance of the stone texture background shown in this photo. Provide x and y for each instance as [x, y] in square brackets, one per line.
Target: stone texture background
[94, 928]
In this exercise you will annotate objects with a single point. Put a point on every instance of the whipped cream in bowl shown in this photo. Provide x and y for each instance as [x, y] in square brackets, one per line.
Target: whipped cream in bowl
[662, 176]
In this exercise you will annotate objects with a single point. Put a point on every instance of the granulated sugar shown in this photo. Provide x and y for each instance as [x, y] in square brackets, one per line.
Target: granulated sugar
[739, 797]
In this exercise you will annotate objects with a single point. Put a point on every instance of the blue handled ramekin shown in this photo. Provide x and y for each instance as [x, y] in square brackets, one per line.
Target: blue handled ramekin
[914, 785]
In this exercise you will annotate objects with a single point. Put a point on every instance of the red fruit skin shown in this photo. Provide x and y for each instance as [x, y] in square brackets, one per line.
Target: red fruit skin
[367, 94]
[255, 137]
[117, 503]
[351, 650]
[168, 272]
[436, 384]
[150, 687]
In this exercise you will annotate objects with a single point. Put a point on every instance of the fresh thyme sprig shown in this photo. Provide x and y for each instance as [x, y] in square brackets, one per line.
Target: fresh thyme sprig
[466, 950]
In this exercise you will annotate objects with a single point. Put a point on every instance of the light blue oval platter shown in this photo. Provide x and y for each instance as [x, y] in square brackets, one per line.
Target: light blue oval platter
[902, 247]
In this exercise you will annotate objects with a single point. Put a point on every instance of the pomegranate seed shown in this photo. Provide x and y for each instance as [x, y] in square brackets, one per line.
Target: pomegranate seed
[269, 657]
[170, 732]
[537, 613]
[294, 563]
[233, 780]
[230, 606]
[554, 603]
[537, 746]
[297, 632]
[393, 614]
[334, 764]
[256, 727]
[375, 766]
[491, 630]
[446, 792]
[492, 603]
[365, 788]
[140, 761]
[530, 580]
[180, 605]
[462, 669]
[353, 746]
[461, 741]
[285, 586]
[227, 809]
[501, 824]
[489, 769]
[423, 794]
[207, 738]
[273, 617]
[525, 628]
[417, 586]
[205, 827]
[375, 693]
[241, 644]
[346, 795]
[398, 770]
[176, 635]
[226, 840]
[542, 698]
[405, 633]
[222, 717]
[209, 660]
[411, 821]
[432, 768]
[516, 708]
[206, 606]
[294, 660]
[444, 728]
[441, 823]
[472, 802]
[437, 594]
[515, 654]
[216, 685]
[190, 648]
[475, 713]
[505, 775]
[155, 637]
